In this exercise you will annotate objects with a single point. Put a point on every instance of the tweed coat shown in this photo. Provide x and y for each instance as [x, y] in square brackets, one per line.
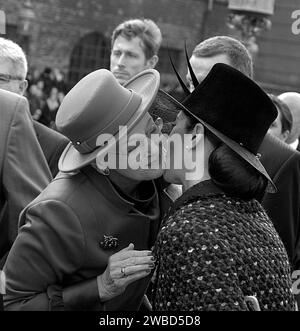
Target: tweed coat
[214, 251]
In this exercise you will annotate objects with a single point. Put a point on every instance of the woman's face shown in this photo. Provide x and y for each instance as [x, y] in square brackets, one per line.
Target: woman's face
[139, 155]
[177, 150]
[276, 129]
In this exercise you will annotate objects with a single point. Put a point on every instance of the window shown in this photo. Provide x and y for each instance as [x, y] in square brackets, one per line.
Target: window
[92, 52]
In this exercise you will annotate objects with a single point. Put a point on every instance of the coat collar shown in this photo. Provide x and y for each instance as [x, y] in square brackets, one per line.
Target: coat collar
[107, 189]
[205, 188]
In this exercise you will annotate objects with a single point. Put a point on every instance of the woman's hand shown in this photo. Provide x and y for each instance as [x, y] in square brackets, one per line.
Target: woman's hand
[124, 268]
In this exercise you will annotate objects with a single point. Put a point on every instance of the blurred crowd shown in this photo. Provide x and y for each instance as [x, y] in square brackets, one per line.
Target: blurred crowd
[45, 93]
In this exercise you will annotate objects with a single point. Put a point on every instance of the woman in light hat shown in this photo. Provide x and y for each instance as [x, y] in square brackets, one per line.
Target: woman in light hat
[217, 249]
[85, 241]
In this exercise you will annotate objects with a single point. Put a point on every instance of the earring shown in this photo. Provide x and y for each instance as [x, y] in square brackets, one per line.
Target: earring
[105, 171]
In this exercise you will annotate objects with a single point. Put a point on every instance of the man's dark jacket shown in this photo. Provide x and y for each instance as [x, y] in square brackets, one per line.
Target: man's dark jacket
[52, 145]
[283, 165]
[23, 168]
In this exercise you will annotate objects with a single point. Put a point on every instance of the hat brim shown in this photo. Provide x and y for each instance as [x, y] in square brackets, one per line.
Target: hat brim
[146, 84]
[249, 157]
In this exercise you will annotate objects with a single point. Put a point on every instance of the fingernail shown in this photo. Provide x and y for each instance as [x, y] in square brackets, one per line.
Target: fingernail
[153, 259]
[152, 265]
[148, 271]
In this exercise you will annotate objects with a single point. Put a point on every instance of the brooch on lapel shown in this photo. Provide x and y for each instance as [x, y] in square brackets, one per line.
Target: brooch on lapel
[109, 242]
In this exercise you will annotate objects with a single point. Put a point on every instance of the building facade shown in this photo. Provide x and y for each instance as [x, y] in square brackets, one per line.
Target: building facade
[74, 35]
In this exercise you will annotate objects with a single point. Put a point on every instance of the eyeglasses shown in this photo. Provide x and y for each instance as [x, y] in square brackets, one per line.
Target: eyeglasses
[5, 78]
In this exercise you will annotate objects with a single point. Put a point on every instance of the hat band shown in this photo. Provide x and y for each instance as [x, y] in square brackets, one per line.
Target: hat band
[124, 116]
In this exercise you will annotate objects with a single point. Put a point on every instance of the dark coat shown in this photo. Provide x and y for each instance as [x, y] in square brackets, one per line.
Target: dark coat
[57, 255]
[283, 165]
[52, 143]
[213, 251]
[23, 168]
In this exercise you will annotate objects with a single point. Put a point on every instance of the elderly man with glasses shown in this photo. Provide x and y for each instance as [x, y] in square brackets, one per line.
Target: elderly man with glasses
[13, 72]
[28, 149]
[13, 67]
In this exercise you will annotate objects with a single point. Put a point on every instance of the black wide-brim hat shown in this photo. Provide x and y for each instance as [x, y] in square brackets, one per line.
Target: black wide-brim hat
[235, 109]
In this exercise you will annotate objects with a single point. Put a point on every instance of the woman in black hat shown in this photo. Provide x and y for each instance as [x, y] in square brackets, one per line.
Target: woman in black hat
[217, 249]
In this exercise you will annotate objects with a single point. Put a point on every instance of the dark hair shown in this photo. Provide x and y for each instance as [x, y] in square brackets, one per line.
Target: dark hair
[235, 176]
[237, 53]
[145, 29]
[285, 113]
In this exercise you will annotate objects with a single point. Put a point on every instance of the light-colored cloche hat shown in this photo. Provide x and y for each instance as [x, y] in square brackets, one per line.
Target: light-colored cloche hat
[97, 105]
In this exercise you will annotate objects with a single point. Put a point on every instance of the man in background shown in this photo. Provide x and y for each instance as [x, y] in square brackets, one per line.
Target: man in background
[282, 126]
[134, 48]
[24, 172]
[29, 163]
[292, 100]
[13, 72]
